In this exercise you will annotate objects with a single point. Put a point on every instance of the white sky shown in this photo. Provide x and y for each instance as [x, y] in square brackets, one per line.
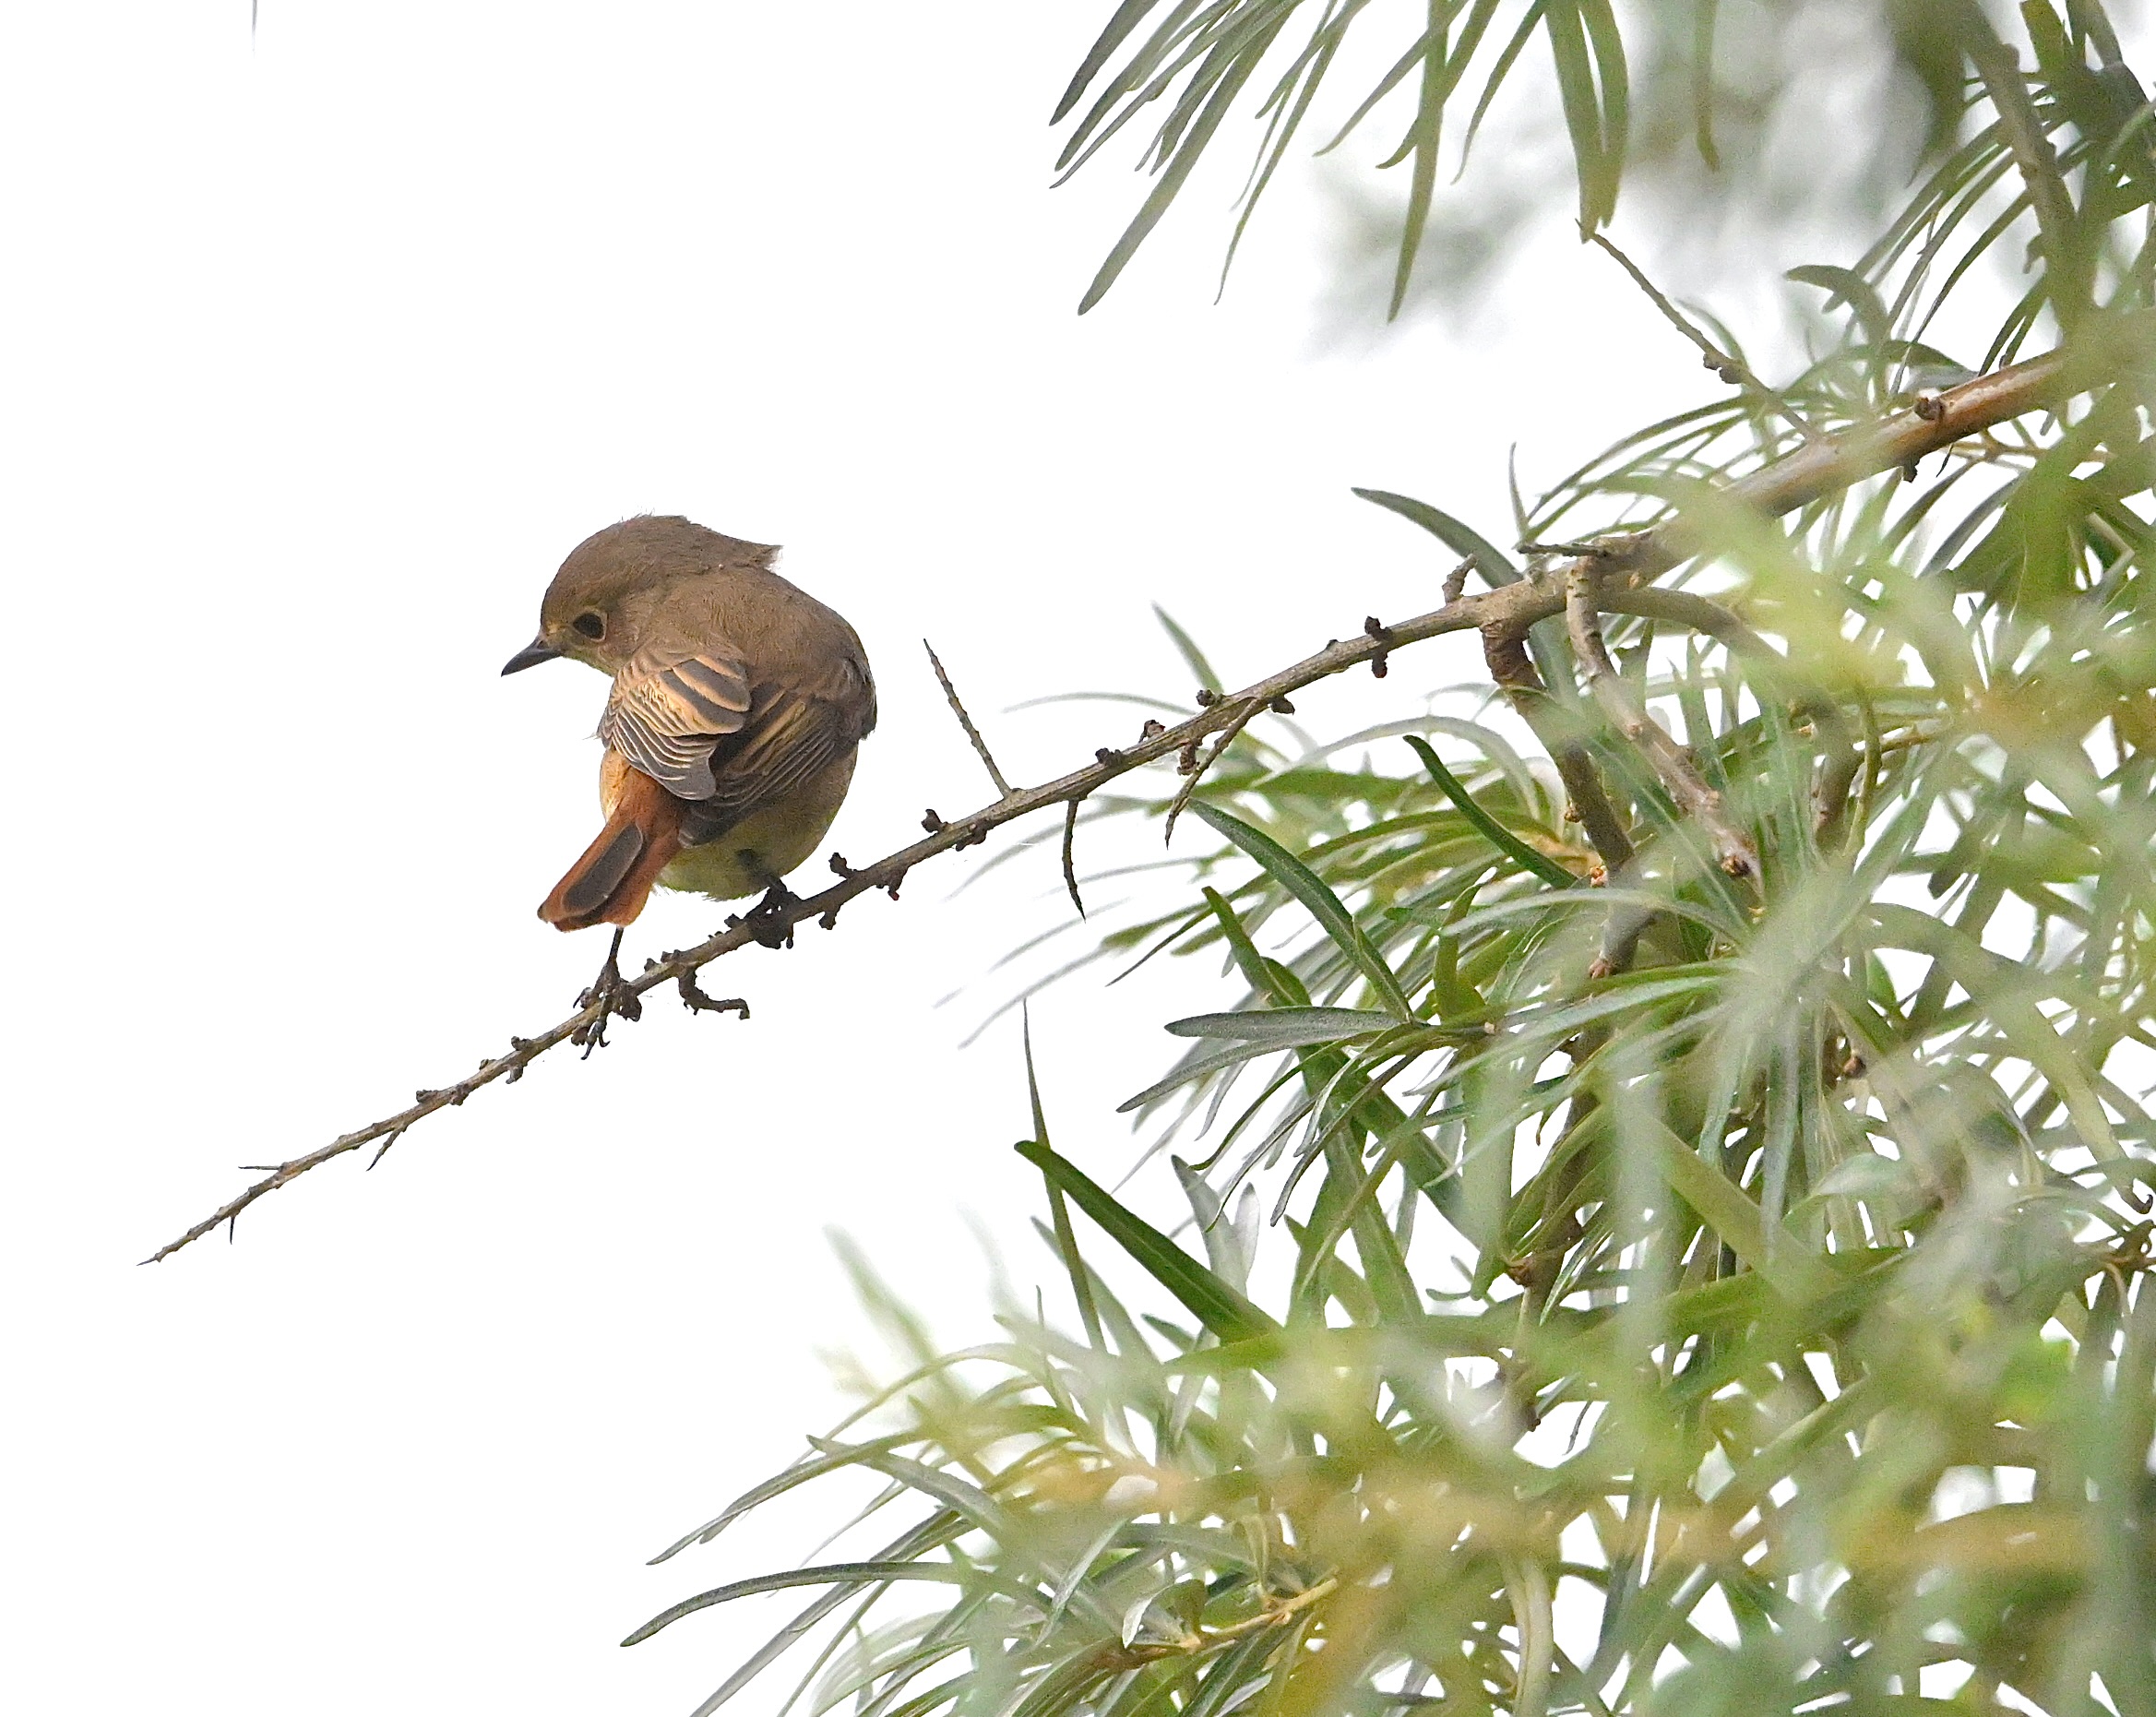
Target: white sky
[321, 352]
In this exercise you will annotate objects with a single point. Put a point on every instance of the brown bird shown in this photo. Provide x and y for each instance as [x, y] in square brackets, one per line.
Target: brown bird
[738, 702]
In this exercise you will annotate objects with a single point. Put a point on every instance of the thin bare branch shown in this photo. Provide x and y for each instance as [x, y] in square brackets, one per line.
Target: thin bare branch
[1686, 608]
[972, 734]
[1723, 364]
[1505, 653]
[1732, 847]
[1812, 472]
[1836, 733]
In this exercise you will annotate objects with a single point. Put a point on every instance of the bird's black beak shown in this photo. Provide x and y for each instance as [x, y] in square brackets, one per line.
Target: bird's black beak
[530, 656]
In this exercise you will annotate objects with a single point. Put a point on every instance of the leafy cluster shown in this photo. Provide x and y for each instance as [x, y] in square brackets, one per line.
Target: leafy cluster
[1669, 1197]
[1189, 65]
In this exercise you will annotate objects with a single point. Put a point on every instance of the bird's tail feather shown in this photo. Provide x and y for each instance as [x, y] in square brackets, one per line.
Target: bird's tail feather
[610, 884]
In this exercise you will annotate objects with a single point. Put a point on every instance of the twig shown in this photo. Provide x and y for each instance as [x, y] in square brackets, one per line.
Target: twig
[1728, 368]
[1686, 608]
[1837, 735]
[1505, 653]
[1070, 813]
[1504, 612]
[966, 721]
[1275, 1614]
[1246, 709]
[1598, 550]
[1732, 847]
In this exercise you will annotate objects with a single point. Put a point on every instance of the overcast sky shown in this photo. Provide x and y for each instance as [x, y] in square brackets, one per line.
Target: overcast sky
[320, 351]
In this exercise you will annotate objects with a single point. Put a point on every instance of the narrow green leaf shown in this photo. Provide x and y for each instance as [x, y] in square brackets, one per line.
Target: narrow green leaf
[1608, 43]
[831, 1460]
[1198, 1067]
[850, 1576]
[1125, 19]
[1282, 1028]
[1498, 836]
[1213, 1302]
[1491, 561]
[1703, 20]
[1505, 58]
[1186, 646]
[1323, 903]
[1081, 1285]
[1784, 1264]
[1583, 115]
[1423, 141]
[1846, 286]
[1178, 169]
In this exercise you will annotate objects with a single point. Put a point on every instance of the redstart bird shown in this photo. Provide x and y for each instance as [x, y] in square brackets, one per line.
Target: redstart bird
[737, 704]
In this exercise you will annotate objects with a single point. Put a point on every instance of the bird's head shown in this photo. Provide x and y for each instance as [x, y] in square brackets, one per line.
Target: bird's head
[597, 607]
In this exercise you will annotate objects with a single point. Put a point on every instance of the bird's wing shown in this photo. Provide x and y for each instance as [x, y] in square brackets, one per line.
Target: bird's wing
[788, 743]
[671, 704]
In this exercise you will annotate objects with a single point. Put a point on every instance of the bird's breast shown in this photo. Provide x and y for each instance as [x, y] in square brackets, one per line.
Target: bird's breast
[757, 851]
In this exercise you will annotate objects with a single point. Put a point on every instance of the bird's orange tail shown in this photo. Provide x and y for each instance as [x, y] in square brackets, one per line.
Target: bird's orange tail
[610, 884]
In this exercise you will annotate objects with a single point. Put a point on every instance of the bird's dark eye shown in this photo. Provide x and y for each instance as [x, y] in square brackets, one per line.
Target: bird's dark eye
[592, 626]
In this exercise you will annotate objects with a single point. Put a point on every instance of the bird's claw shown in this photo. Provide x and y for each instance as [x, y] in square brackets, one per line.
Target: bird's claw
[617, 998]
[766, 922]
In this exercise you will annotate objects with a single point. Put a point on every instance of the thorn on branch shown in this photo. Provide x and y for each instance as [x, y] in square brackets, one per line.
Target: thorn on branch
[1153, 729]
[840, 869]
[1928, 406]
[1070, 817]
[1109, 756]
[381, 1151]
[1711, 355]
[980, 744]
[1280, 706]
[1207, 697]
[933, 824]
[1455, 585]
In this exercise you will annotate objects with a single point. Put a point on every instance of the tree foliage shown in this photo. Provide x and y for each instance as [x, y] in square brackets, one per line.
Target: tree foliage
[1668, 1202]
